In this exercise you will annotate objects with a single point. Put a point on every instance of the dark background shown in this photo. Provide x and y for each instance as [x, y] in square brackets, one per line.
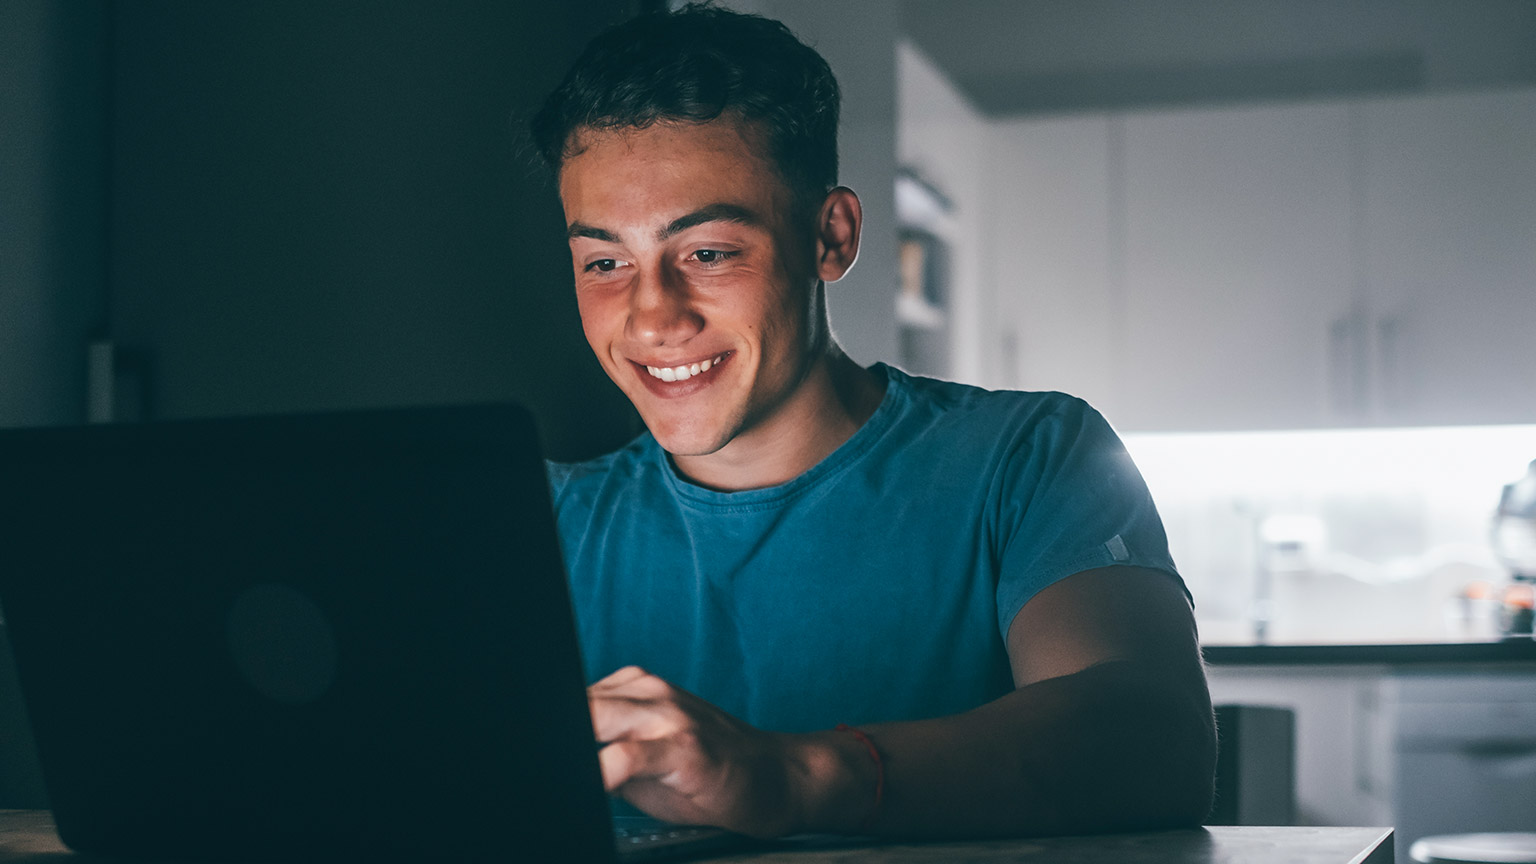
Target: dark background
[285, 206]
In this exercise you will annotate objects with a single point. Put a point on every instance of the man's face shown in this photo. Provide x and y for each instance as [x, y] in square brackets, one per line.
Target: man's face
[697, 293]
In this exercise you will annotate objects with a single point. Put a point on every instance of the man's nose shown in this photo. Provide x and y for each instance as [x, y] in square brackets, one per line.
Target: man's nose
[661, 311]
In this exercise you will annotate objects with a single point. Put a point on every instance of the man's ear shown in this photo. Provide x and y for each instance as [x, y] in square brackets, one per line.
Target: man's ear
[838, 224]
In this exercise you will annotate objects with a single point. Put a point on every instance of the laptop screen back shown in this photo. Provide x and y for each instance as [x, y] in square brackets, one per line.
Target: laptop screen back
[300, 636]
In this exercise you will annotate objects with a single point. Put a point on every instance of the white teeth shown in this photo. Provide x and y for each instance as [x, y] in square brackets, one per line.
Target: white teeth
[683, 373]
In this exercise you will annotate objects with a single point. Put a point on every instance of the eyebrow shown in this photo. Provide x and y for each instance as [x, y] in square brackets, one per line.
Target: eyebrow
[708, 213]
[580, 229]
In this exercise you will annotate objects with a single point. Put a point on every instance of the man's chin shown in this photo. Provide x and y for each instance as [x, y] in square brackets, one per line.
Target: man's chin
[687, 447]
[688, 442]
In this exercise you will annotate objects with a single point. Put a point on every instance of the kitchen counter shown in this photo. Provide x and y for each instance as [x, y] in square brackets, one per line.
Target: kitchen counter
[1512, 651]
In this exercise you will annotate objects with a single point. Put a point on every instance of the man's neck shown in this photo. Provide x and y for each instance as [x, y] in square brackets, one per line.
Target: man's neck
[837, 397]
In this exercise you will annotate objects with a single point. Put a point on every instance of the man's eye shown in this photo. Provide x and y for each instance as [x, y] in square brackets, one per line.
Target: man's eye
[602, 265]
[711, 256]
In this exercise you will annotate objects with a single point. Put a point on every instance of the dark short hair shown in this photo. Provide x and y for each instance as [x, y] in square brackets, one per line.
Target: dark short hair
[694, 65]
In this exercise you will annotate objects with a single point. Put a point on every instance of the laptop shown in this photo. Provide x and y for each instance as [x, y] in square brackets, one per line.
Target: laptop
[325, 636]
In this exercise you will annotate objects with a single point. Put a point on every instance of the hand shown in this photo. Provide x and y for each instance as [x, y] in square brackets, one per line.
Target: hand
[681, 759]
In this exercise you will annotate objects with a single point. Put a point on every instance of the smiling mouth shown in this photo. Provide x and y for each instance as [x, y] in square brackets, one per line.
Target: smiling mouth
[684, 372]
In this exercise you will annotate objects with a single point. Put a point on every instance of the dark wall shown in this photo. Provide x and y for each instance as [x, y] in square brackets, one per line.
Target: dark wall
[53, 182]
[323, 205]
[288, 206]
[53, 167]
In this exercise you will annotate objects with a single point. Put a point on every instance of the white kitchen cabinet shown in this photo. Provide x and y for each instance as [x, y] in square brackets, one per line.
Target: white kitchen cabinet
[1056, 314]
[1464, 751]
[1449, 196]
[1237, 267]
[1344, 770]
[1441, 749]
[1347, 263]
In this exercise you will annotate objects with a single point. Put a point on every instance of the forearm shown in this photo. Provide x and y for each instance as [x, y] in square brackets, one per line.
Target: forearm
[1118, 746]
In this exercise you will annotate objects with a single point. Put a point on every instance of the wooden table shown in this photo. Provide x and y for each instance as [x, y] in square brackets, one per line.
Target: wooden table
[28, 836]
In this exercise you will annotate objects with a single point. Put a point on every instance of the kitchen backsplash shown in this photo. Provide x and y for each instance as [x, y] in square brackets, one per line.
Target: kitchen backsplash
[1336, 536]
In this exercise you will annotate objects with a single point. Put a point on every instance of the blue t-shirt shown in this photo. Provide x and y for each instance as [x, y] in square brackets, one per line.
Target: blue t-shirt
[877, 586]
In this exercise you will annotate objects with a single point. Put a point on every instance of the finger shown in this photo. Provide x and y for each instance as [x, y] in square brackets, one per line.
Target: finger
[619, 717]
[641, 684]
[634, 683]
[618, 678]
[637, 760]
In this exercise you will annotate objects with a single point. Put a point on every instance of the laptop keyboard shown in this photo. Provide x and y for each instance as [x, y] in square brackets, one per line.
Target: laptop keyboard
[649, 840]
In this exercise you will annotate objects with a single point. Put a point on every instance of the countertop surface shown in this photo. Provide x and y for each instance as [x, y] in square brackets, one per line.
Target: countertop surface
[1214, 845]
[1510, 651]
[28, 836]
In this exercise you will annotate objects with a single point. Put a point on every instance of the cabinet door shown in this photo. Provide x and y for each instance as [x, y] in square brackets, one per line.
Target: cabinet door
[1055, 311]
[1450, 226]
[1236, 267]
[1343, 770]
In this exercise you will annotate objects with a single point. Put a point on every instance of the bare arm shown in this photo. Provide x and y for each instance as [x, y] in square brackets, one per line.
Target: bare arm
[1109, 729]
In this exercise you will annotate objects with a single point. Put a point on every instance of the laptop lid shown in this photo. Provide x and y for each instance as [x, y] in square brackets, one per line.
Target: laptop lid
[305, 636]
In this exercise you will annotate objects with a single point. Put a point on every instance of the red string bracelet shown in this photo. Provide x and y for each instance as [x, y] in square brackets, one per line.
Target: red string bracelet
[874, 754]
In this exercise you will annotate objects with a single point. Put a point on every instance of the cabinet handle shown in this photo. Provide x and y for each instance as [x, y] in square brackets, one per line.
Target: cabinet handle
[1348, 366]
[1338, 367]
[1503, 761]
[1364, 757]
[1388, 373]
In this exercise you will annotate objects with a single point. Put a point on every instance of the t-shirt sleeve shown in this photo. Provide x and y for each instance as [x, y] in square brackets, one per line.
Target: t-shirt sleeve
[558, 474]
[1069, 499]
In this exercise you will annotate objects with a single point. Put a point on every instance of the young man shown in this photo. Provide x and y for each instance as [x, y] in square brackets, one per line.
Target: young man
[817, 596]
